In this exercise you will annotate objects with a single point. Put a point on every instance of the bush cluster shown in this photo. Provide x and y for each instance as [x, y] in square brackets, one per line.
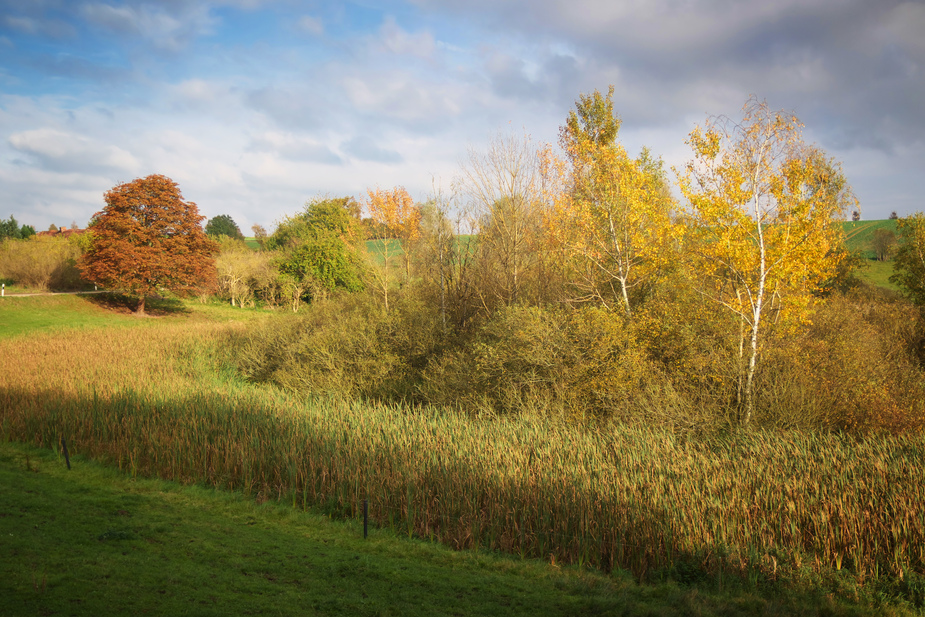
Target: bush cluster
[856, 367]
[43, 262]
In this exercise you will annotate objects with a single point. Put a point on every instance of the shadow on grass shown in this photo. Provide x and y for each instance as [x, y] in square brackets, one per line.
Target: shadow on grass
[155, 306]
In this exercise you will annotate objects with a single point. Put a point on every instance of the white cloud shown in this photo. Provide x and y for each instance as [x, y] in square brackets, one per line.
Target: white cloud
[23, 24]
[311, 25]
[295, 148]
[399, 41]
[165, 31]
[69, 152]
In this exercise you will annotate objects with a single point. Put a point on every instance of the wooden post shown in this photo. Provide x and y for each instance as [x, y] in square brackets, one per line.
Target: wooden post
[67, 459]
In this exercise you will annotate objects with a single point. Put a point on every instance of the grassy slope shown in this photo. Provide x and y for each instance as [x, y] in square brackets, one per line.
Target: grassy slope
[858, 237]
[95, 542]
[24, 315]
[92, 541]
[860, 234]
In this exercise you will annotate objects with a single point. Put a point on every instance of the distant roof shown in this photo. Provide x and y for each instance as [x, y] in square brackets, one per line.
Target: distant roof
[62, 231]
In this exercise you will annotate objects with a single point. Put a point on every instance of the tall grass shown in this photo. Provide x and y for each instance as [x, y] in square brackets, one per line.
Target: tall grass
[157, 400]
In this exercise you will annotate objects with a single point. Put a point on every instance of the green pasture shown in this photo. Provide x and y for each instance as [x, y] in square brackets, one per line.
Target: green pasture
[859, 237]
[860, 234]
[23, 315]
[878, 273]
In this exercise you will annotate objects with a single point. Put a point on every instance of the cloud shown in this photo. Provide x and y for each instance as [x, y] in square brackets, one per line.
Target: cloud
[293, 106]
[66, 152]
[337, 99]
[398, 41]
[73, 67]
[310, 25]
[166, 31]
[364, 148]
[53, 28]
[401, 98]
[294, 148]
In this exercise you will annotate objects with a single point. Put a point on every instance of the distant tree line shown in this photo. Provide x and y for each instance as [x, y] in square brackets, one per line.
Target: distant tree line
[10, 228]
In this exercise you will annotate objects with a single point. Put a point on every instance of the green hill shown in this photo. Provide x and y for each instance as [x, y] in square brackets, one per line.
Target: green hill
[859, 235]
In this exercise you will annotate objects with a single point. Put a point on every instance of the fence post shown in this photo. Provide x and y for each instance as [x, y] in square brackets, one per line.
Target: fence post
[3, 289]
[67, 459]
[365, 517]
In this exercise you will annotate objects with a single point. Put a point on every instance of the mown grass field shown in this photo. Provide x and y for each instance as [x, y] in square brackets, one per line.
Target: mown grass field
[770, 514]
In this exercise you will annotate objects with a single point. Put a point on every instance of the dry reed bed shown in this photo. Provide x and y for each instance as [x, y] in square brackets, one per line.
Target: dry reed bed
[155, 401]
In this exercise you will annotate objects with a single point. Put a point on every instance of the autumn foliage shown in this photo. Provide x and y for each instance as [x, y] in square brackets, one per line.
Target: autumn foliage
[762, 215]
[148, 238]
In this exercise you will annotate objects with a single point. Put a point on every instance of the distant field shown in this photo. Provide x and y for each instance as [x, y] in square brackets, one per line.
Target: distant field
[878, 273]
[859, 236]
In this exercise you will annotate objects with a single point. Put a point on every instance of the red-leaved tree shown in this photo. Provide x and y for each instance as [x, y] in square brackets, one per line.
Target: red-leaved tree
[147, 238]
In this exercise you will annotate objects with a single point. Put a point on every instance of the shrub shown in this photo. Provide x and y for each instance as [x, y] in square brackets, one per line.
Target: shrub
[245, 276]
[856, 368]
[42, 262]
[334, 347]
[584, 364]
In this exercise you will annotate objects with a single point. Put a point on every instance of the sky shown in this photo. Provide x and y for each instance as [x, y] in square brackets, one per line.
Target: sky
[256, 106]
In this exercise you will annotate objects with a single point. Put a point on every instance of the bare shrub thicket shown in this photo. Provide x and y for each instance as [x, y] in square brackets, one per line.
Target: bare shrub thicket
[246, 276]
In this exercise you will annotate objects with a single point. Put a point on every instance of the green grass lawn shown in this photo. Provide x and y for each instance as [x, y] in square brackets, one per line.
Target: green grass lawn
[878, 273]
[858, 237]
[21, 315]
[24, 315]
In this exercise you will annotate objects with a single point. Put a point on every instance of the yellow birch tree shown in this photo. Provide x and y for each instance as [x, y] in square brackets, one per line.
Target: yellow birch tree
[614, 216]
[762, 209]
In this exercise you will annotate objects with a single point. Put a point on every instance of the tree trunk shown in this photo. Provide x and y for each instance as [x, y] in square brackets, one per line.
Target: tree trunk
[752, 363]
[140, 309]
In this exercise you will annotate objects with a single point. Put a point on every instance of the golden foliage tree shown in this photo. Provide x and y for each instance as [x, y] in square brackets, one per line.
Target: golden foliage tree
[762, 209]
[395, 210]
[147, 238]
[910, 258]
[612, 214]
